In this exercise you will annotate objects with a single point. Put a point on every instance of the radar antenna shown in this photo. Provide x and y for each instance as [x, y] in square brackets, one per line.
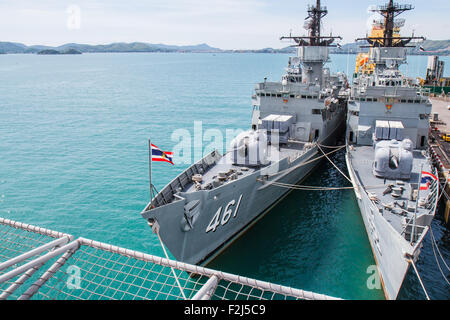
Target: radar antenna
[389, 12]
[313, 25]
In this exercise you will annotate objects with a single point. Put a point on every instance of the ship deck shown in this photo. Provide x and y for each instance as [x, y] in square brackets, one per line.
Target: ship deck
[291, 150]
[396, 210]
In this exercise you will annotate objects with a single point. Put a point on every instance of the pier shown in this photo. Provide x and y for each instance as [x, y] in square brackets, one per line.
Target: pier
[440, 144]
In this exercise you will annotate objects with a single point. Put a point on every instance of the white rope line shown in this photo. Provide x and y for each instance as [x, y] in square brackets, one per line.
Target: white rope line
[156, 229]
[420, 280]
[443, 190]
[433, 246]
[340, 171]
[306, 162]
[438, 264]
[332, 147]
[309, 188]
[317, 188]
[434, 241]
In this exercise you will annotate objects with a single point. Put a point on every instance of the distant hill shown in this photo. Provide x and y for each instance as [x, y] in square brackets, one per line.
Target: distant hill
[9, 47]
[435, 47]
[49, 51]
[431, 47]
[52, 51]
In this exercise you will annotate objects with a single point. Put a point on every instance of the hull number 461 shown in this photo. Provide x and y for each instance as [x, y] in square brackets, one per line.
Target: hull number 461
[220, 219]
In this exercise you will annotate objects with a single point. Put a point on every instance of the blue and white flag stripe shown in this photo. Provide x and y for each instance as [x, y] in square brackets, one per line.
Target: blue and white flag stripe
[427, 178]
[159, 155]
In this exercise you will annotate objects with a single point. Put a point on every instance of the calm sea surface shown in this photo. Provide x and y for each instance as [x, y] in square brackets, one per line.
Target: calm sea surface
[73, 158]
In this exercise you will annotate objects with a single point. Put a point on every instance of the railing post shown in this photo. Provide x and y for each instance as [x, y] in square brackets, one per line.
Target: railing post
[207, 291]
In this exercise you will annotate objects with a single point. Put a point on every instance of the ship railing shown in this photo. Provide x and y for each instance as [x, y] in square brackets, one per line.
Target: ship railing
[396, 7]
[426, 92]
[321, 8]
[422, 229]
[41, 264]
[435, 200]
[167, 195]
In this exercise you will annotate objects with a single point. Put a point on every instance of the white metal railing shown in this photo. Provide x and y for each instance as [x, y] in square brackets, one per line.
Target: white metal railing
[106, 271]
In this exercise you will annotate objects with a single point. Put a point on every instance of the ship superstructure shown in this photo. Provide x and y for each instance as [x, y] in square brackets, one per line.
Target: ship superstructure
[215, 200]
[387, 158]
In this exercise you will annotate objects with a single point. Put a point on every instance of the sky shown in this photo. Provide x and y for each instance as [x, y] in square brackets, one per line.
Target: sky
[225, 24]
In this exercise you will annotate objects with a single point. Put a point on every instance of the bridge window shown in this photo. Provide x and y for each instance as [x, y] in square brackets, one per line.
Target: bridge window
[316, 134]
[423, 116]
[422, 141]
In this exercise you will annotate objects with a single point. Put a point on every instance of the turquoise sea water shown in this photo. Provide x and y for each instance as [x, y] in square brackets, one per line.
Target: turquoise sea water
[74, 158]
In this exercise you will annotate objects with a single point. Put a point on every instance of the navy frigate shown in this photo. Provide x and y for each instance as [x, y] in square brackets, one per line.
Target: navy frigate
[387, 157]
[200, 212]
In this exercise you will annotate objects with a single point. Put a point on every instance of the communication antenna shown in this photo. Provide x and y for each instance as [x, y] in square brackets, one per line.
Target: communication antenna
[313, 24]
[389, 24]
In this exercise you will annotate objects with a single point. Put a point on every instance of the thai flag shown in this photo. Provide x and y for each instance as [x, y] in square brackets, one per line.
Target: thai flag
[426, 180]
[159, 155]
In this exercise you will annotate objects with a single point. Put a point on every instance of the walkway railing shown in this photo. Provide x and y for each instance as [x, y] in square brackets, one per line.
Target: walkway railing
[37, 263]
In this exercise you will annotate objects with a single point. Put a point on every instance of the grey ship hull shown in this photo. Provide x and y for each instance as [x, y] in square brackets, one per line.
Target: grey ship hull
[391, 251]
[247, 200]
[217, 199]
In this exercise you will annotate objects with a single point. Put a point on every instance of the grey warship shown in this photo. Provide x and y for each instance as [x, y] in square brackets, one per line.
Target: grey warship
[204, 209]
[395, 183]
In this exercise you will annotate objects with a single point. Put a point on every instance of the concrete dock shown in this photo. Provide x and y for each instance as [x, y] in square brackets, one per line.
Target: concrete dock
[440, 148]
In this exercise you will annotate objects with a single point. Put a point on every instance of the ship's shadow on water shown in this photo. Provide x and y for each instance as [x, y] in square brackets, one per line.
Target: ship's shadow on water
[316, 241]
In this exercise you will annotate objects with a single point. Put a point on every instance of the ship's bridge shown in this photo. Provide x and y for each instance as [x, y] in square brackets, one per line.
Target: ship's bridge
[391, 78]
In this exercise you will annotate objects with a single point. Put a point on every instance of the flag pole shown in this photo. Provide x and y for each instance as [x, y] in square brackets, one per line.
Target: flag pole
[413, 231]
[150, 168]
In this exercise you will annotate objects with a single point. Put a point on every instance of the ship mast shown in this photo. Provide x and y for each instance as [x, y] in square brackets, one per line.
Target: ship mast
[389, 12]
[313, 25]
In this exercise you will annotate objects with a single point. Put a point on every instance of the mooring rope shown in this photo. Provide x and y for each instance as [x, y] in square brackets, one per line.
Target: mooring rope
[306, 162]
[308, 188]
[434, 245]
[332, 147]
[340, 171]
[434, 241]
[443, 190]
[439, 266]
[155, 229]
[420, 279]
[316, 188]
